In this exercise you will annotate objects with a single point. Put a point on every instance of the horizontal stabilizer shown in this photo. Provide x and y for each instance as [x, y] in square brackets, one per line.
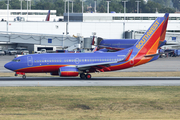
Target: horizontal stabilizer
[152, 55]
[166, 51]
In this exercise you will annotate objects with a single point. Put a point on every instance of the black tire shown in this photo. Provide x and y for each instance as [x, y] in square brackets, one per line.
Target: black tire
[82, 76]
[24, 76]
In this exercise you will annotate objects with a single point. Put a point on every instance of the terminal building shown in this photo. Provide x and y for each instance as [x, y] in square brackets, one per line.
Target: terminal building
[34, 33]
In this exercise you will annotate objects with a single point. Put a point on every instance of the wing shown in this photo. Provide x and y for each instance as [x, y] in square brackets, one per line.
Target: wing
[111, 48]
[102, 65]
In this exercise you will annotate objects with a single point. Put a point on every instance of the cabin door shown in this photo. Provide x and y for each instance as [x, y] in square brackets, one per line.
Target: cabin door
[29, 61]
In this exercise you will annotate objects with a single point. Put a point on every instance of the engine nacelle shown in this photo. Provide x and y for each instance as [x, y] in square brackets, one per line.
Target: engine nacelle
[68, 71]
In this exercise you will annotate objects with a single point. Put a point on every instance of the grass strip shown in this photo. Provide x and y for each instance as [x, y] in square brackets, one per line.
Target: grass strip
[90, 103]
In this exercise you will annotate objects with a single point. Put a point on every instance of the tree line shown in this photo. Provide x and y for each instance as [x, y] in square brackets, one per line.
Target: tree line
[101, 6]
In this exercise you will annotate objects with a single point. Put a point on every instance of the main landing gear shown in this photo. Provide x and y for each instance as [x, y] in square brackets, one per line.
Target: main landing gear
[21, 73]
[85, 76]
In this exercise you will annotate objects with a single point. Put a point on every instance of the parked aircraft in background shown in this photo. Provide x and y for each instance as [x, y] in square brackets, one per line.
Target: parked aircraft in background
[48, 16]
[120, 44]
[72, 64]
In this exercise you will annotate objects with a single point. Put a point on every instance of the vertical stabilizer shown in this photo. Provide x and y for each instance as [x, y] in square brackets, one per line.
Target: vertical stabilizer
[163, 33]
[48, 16]
[149, 42]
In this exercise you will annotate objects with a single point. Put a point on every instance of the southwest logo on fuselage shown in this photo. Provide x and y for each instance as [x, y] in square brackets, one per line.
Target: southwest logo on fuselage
[147, 35]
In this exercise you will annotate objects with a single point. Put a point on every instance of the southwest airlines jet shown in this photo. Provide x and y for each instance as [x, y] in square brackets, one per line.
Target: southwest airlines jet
[119, 44]
[74, 64]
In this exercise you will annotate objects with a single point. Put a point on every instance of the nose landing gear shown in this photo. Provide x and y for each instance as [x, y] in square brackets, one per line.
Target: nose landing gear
[21, 73]
[85, 76]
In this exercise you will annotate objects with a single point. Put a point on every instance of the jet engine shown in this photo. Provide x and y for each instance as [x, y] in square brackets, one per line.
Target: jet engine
[68, 71]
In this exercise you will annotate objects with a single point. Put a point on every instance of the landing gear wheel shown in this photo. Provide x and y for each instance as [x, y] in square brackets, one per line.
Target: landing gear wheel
[24, 77]
[16, 75]
[82, 76]
[88, 76]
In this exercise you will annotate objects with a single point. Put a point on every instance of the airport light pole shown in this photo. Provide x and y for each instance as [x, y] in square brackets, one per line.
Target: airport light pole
[27, 9]
[124, 18]
[108, 6]
[7, 14]
[82, 5]
[21, 6]
[137, 6]
[95, 6]
[67, 29]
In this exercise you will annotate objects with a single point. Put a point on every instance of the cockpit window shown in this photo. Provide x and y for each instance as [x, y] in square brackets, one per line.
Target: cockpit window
[16, 60]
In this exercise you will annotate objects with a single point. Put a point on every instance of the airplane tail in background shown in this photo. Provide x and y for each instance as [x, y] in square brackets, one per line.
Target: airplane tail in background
[48, 16]
[163, 33]
[93, 41]
[148, 43]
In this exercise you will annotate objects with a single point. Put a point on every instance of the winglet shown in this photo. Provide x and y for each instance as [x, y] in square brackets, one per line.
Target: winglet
[127, 56]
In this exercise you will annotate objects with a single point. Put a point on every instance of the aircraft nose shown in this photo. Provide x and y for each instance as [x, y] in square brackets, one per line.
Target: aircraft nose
[8, 66]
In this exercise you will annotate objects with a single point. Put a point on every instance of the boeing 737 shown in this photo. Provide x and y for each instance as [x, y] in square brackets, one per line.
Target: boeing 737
[119, 44]
[74, 64]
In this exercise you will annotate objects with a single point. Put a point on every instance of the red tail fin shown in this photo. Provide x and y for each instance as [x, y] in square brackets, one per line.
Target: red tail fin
[48, 16]
[93, 40]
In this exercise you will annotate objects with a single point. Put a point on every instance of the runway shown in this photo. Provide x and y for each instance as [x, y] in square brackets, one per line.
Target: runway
[99, 81]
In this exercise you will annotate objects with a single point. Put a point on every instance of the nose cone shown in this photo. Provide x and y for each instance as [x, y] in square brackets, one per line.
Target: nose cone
[9, 66]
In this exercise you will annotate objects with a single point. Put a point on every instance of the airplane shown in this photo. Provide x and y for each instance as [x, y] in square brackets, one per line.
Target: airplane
[48, 16]
[74, 64]
[120, 44]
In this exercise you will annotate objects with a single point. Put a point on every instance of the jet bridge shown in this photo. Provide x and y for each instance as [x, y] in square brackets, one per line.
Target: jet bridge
[39, 39]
